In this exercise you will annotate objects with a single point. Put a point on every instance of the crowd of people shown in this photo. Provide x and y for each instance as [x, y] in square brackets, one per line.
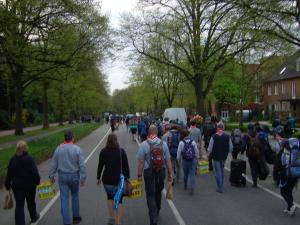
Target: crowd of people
[166, 148]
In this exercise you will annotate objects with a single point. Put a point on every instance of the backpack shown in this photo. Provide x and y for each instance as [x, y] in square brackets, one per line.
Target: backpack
[254, 148]
[173, 142]
[237, 140]
[157, 159]
[293, 169]
[188, 152]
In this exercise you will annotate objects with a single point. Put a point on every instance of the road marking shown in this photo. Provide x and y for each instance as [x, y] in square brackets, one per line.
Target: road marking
[53, 200]
[170, 202]
[264, 188]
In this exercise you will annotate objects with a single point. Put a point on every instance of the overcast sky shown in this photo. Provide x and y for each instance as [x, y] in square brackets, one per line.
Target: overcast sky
[117, 71]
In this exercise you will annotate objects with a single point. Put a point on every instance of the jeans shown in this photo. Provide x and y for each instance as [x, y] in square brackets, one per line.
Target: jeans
[286, 191]
[219, 174]
[254, 166]
[154, 184]
[20, 196]
[69, 182]
[189, 172]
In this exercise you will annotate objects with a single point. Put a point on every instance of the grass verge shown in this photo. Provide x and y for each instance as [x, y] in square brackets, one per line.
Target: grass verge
[12, 137]
[43, 148]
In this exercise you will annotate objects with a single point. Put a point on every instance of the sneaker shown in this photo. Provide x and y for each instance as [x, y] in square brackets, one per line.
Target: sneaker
[292, 210]
[77, 220]
[37, 216]
[286, 211]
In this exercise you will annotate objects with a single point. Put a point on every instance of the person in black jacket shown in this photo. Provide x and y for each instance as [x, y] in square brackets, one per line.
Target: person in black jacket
[114, 161]
[23, 177]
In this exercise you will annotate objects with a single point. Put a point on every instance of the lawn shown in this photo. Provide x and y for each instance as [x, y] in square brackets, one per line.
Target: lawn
[11, 138]
[43, 148]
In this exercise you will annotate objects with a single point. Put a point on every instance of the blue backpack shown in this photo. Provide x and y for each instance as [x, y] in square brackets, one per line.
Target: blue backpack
[173, 142]
[188, 152]
[293, 162]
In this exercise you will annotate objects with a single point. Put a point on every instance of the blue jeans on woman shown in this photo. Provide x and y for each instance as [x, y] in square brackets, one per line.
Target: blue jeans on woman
[189, 173]
[69, 182]
[219, 174]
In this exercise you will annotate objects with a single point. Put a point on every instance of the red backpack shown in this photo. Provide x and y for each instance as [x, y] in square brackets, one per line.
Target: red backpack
[157, 159]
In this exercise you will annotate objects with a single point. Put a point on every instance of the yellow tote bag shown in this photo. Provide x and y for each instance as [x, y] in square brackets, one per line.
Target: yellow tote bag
[46, 190]
[203, 167]
[137, 189]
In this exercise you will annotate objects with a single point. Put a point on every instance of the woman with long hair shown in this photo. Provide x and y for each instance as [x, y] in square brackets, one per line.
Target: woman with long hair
[114, 161]
[23, 177]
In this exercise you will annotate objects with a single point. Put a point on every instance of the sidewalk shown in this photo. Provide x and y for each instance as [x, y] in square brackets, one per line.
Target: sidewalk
[26, 129]
[38, 136]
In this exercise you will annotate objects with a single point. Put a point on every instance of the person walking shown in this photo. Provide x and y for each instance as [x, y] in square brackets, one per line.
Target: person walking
[153, 159]
[23, 177]
[209, 129]
[196, 135]
[133, 128]
[113, 160]
[287, 182]
[189, 153]
[68, 161]
[172, 138]
[252, 146]
[237, 142]
[219, 146]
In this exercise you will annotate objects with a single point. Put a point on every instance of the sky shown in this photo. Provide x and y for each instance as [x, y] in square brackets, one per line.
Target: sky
[117, 71]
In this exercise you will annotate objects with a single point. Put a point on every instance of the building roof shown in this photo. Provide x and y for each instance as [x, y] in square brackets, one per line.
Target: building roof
[287, 69]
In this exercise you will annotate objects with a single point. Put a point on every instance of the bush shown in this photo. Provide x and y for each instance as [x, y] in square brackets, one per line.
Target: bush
[230, 127]
[296, 134]
[5, 122]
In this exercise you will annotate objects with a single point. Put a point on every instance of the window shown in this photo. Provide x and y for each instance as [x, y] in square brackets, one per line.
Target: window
[269, 90]
[293, 89]
[276, 88]
[277, 107]
[257, 99]
[283, 88]
[298, 65]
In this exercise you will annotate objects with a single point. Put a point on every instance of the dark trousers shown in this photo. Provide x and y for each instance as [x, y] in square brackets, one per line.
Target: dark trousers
[234, 154]
[286, 191]
[20, 196]
[154, 184]
[254, 166]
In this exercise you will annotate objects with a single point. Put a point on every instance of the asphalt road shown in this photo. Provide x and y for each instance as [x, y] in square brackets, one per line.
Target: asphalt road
[236, 206]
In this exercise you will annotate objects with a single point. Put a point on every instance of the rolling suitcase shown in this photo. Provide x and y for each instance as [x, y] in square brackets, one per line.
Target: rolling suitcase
[237, 169]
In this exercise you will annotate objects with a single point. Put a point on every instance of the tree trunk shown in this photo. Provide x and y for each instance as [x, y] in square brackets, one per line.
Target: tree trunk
[45, 105]
[19, 102]
[61, 105]
[199, 95]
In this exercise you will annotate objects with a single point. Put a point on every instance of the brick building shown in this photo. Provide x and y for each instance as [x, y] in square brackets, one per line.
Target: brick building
[282, 89]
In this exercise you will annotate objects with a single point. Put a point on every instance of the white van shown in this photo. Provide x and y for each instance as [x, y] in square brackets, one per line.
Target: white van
[175, 114]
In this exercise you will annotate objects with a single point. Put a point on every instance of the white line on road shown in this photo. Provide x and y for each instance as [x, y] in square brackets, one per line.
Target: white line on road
[265, 189]
[53, 200]
[170, 202]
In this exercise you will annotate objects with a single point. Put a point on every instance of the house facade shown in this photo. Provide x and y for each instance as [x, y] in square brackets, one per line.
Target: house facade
[282, 90]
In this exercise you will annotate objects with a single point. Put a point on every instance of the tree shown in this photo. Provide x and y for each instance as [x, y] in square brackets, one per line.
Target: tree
[205, 32]
[280, 18]
[36, 40]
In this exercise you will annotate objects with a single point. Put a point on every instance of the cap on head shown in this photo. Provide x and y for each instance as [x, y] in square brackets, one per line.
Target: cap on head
[221, 125]
[279, 130]
[68, 135]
